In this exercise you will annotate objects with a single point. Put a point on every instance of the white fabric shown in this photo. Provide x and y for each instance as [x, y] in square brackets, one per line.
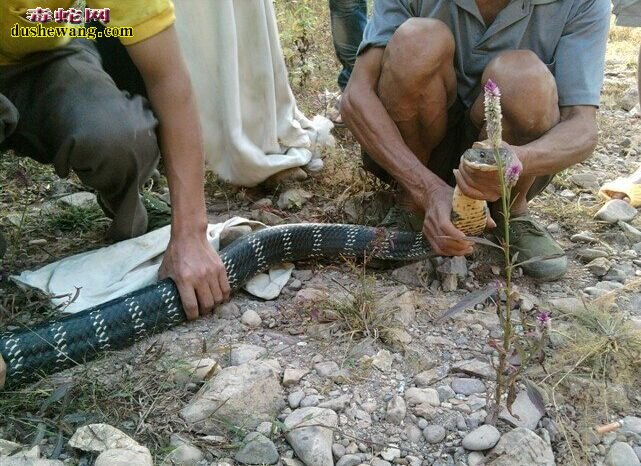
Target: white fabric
[252, 128]
[113, 271]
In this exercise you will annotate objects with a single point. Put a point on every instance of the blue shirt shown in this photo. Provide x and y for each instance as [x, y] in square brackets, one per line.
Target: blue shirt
[569, 36]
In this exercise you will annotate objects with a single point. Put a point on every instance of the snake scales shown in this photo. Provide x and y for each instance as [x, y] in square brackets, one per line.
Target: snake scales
[58, 344]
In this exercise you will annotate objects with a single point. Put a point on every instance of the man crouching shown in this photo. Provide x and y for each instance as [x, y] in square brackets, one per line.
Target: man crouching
[414, 104]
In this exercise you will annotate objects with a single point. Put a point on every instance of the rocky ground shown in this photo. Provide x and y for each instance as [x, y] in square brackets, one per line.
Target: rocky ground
[348, 366]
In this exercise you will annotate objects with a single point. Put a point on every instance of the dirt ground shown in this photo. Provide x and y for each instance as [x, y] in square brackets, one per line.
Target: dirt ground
[328, 311]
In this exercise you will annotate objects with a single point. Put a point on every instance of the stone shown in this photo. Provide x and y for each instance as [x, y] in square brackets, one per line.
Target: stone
[449, 282]
[445, 392]
[251, 319]
[294, 399]
[101, 437]
[257, 449]
[326, 368]
[19, 461]
[453, 266]
[228, 311]
[526, 413]
[599, 267]
[415, 274]
[310, 432]
[380, 462]
[293, 199]
[584, 237]
[338, 451]
[631, 425]
[336, 404]
[390, 453]
[585, 180]
[587, 255]
[632, 233]
[414, 433]
[429, 377]
[184, 455]
[81, 199]
[240, 354]
[7, 447]
[349, 460]
[567, 305]
[434, 433]
[521, 446]
[481, 438]
[311, 294]
[266, 217]
[616, 210]
[419, 396]
[383, 361]
[619, 273]
[475, 367]
[476, 458]
[293, 376]
[621, 454]
[244, 395]
[123, 457]
[467, 386]
[310, 400]
[629, 99]
[396, 410]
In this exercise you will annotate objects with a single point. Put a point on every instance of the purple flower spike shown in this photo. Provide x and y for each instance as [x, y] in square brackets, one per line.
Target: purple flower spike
[513, 171]
[492, 89]
[544, 319]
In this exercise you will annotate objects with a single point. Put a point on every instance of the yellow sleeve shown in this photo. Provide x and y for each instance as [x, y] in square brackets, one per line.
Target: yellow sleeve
[146, 17]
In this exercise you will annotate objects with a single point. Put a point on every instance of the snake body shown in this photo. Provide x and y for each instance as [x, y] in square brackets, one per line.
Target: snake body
[58, 344]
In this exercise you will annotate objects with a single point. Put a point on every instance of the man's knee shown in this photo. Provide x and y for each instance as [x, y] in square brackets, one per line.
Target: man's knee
[120, 152]
[419, 48]
[528, 89]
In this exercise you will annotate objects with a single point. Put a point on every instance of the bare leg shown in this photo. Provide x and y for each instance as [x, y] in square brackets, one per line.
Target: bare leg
[530, 106]
[418, 84]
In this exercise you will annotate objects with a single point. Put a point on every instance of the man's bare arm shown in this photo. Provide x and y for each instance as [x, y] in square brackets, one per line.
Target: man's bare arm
[189, 260]
[571, 141]
[367, 118]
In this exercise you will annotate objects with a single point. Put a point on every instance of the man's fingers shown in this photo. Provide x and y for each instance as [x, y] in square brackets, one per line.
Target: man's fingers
[188, 298]
[223, 282]
[206, 300]
[216, 292]
[490, 224]
[466, 188]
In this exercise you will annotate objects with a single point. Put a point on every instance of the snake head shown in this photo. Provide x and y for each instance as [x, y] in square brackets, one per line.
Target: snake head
[483, 157]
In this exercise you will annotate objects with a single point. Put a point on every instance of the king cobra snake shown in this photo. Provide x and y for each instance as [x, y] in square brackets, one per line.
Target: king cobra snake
[58, 344]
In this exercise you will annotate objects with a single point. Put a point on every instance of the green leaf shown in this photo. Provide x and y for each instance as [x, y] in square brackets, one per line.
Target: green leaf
[539, 259]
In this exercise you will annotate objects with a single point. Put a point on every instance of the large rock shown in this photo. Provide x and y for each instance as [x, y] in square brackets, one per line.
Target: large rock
[101, 437]
[526, 414]
[420, 396]
[616, 210]
[521, 447]
[621, 454]
[11, 461]
[481, 438]
[257, 449]
[310, 432]
[467, 386]
[631, 425]
[7, 447]
[244, 395]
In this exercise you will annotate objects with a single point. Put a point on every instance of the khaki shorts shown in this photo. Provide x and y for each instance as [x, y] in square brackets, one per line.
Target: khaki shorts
[627, 12]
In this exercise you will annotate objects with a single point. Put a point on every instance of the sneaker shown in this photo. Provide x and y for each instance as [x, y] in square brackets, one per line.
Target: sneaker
[531, 240]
